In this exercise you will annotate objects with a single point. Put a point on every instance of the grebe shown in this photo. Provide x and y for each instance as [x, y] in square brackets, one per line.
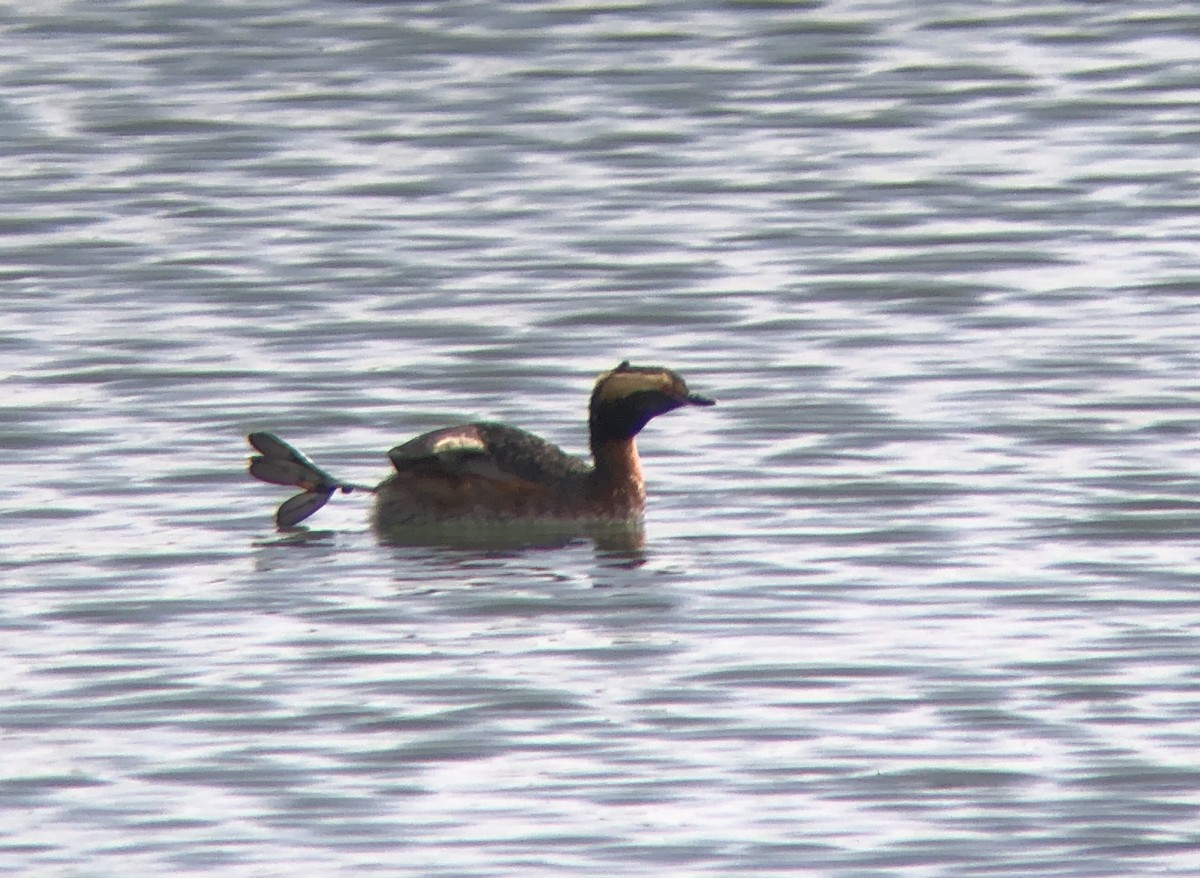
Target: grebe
[492, 473]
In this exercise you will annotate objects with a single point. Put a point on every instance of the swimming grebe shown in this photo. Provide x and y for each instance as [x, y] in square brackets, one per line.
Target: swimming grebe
[487, 472]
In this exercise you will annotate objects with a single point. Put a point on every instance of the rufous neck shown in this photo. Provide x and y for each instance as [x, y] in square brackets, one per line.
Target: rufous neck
[619, 472]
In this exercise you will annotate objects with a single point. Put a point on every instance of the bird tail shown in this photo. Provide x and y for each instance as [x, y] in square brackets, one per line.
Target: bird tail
[281, 464]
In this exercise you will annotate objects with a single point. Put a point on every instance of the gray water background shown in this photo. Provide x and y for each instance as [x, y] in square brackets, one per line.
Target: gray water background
[918, 598]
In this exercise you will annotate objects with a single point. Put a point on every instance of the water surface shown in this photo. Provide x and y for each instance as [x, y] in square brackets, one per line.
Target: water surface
[917, 598]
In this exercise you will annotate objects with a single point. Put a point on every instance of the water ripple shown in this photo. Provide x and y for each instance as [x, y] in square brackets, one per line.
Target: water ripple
[916, 597]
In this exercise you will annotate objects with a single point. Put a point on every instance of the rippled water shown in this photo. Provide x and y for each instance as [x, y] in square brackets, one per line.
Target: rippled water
[917, 598]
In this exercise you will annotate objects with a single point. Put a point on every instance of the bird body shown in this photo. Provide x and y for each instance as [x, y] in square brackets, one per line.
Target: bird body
[490, 473]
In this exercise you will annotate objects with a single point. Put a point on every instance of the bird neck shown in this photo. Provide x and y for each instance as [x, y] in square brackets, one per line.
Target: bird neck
[618, 475]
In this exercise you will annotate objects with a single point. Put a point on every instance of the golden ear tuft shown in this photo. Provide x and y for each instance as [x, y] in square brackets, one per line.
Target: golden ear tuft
[626, 380]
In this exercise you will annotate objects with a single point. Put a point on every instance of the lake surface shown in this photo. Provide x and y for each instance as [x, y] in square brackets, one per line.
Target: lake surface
[919, 597]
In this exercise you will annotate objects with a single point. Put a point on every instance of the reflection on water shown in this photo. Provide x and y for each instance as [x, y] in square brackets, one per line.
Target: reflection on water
[918, 598]
[625, 538]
